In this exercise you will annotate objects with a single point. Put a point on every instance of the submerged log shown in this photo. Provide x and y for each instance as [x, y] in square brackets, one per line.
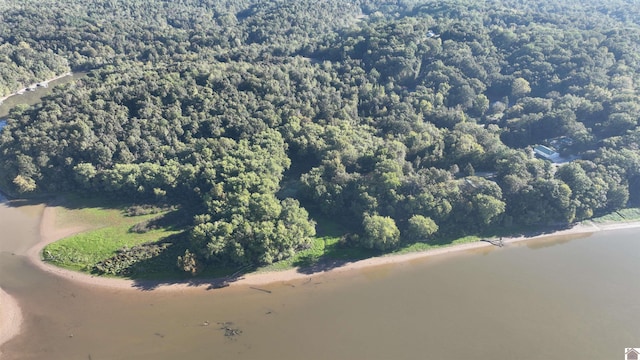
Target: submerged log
[263, 290]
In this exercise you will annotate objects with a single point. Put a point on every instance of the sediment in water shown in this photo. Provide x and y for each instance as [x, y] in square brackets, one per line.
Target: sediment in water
[10, 318]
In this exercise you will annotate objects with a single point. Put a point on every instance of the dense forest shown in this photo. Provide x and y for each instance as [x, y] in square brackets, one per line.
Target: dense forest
[21, 66]
[400, 120]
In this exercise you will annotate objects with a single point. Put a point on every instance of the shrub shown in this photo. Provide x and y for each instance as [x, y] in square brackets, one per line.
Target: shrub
[123, 262]
[188, 263]
[380, 232]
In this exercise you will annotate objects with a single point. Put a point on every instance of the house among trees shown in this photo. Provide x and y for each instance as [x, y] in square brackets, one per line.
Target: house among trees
[431, 34]
[546, 153]
[631, 354]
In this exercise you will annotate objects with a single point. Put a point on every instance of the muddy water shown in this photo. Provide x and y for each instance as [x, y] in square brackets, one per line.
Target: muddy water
[564, 298]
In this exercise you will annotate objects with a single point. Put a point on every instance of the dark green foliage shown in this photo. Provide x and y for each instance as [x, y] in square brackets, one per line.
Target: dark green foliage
[421, 228]
[123, 263]
[138, 210]
[22, 66]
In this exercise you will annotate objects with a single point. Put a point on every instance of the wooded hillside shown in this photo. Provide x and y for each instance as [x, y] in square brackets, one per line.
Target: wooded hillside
[400, 120]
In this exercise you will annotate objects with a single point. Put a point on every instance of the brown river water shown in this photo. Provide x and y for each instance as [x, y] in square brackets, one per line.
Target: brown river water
[557, 298]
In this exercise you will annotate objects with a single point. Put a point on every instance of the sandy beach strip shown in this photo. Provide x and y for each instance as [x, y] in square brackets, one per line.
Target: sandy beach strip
[10, 318]
[50, 233]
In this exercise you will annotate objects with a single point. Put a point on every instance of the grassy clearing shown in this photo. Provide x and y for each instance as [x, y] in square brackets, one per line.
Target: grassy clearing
[83, 251]
[423, 246]
[624, 215]
[90, 212]
[323, 249]
[329, 250]
[316, 252]
[110, 232]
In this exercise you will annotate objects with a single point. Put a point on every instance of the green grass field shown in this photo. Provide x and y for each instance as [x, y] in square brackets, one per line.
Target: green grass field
[109, 231]
[84, 250]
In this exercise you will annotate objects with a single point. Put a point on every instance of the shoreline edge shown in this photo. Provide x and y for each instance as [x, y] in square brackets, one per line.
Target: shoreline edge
[50, 233]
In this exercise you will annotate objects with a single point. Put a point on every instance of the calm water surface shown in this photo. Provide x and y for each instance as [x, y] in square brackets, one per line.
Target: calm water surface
[557, 299]
[33, 97]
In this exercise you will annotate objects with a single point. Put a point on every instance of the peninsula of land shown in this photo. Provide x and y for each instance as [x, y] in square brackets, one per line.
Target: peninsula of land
[49, 233]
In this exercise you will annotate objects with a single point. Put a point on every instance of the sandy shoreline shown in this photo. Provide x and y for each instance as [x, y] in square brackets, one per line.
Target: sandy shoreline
[50, 233]
[11, 315]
